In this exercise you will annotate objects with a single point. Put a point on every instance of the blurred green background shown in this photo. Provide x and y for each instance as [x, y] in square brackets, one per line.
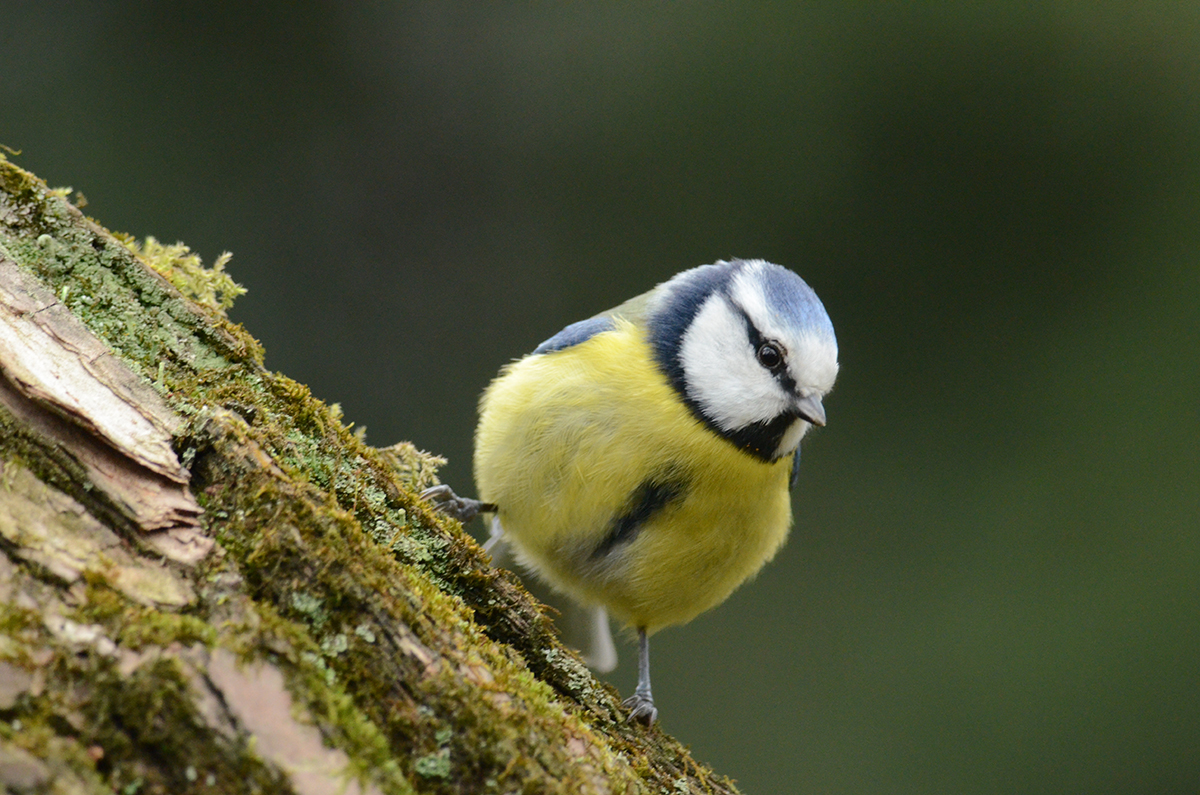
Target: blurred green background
[993, 585]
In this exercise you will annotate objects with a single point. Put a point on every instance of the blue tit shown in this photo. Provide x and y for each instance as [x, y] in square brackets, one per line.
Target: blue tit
[641, 460]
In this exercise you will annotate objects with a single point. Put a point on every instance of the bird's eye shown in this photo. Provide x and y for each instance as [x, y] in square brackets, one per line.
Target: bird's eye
[770, 356]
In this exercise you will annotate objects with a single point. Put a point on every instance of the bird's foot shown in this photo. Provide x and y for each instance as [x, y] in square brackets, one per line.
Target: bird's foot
[463, 509]
[641, 708]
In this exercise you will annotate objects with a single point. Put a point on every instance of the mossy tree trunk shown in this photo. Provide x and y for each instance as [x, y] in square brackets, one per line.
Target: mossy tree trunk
[209, 584]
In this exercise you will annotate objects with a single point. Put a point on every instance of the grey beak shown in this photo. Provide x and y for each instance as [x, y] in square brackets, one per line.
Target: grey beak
[810, 408]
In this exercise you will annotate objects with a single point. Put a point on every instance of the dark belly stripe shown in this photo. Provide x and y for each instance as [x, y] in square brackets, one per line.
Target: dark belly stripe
[648, 499]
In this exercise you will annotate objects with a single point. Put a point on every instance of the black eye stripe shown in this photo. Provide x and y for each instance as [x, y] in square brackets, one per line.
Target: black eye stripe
[666, 328]
[757, 341]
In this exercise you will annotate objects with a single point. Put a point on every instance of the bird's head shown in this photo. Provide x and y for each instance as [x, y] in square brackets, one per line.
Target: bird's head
[748, 346]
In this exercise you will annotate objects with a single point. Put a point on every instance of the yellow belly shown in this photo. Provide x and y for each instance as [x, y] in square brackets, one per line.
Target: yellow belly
[566, 439]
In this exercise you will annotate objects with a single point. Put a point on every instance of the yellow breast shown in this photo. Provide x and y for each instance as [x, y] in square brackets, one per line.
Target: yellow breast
[611, 490]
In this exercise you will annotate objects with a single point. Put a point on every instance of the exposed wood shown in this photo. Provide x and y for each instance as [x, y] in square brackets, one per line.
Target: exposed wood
[209, 584]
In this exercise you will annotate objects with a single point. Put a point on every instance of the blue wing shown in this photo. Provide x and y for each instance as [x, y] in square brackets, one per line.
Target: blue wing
[576, 333]
[795, 469]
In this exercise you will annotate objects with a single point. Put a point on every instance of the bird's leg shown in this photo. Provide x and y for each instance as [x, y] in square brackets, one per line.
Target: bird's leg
[463, 509]
[641, 703]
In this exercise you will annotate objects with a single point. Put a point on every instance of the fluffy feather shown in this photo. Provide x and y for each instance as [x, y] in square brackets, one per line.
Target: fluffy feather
[566, 438]
[640, 460]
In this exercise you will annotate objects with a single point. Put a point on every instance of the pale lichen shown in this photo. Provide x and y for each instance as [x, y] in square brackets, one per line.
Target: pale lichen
[392, 634]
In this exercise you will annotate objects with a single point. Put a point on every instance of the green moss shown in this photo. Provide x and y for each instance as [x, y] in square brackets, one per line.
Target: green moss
[54, 466]
[23, 188]
[432, 671]
[312, 683]
[149, 627]
[323, 601]
[210, 287]
[131, 308]
[20, 628]
[98, 725]
[153, 709]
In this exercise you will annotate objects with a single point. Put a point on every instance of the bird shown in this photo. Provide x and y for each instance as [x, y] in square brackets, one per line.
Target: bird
[642, 460]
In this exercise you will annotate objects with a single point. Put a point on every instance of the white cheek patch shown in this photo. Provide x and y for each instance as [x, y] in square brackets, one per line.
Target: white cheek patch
[721, 372]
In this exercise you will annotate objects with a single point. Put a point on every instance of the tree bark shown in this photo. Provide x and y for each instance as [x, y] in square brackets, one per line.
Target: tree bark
[209, 584]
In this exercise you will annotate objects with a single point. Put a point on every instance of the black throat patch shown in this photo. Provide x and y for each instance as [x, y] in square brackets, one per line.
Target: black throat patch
[760, 439]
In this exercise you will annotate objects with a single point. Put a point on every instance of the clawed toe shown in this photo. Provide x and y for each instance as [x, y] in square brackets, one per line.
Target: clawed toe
[641, 709]
[463, 509]
[438, 494]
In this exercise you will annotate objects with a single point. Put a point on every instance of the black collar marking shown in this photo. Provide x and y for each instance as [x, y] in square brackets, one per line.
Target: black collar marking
[667, 328]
